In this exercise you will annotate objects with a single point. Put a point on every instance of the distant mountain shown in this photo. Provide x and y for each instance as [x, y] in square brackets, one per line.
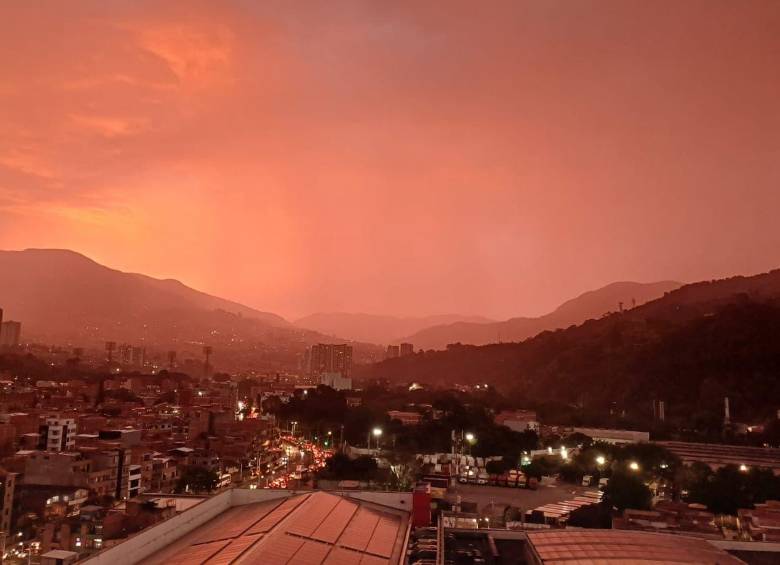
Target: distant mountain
[52, 289]
[593, 304]
[62, 297]
[691, 347]
[374, 328]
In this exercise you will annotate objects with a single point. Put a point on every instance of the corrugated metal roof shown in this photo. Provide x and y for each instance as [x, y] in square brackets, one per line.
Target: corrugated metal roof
[234, 550]
[306, 529]
[609, 546]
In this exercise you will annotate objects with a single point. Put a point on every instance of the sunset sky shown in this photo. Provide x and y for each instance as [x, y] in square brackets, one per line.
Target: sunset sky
[408, 158]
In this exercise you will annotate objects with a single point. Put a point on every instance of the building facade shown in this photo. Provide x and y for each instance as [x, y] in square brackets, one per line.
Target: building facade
[330, 358]
[58, 434]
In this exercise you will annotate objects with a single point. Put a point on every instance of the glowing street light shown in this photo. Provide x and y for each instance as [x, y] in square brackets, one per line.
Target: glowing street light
[634, 466]
[470, 437]
[743, 468]
[600, 460]
[377, 433]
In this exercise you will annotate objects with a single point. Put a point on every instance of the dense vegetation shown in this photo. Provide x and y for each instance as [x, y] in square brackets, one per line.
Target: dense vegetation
[324, 410]
[609, 371]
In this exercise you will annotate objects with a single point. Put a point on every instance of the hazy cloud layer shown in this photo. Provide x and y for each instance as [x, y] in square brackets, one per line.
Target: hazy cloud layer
[404, 157]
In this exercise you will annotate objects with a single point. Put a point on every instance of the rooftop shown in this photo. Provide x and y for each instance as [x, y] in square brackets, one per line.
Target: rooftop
[308, 528]
[718, 454]
[583, 547]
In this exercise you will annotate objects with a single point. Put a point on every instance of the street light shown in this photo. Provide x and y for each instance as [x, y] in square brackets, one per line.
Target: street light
[634, 466]
[600, 460]
[743, 468]
[377, 432]
[470, 437]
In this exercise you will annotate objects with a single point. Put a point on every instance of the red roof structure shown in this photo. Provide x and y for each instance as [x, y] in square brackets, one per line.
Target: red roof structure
[307, 529]
[602, 547]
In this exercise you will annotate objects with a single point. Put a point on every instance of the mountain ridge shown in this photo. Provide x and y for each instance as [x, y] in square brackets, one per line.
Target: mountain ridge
[377, 328]
[589, 304]
[81, 265]
[691, 347]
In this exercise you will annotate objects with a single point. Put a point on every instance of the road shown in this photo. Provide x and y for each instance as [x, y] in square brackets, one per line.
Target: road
[292, 457]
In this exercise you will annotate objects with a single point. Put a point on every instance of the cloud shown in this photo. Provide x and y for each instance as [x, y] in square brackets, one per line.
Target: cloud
[197, 54]
[27, 163]
[399, 157]
[109, 126]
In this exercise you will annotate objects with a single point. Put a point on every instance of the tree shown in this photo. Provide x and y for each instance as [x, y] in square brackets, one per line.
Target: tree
[197, 479]
[577, 439]
[339, 467]
[535, 469]
[405, 468]
[497, 467]
[166, 398]
[627, 490]
[728, 489]
[272, 405]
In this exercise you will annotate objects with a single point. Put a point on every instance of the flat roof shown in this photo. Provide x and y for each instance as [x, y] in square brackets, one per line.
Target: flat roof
[308, 528]
[721, 454]
[584, 547]
[60, 554]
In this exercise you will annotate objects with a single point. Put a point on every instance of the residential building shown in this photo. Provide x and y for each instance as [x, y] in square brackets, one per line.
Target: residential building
[7, 488]
[336, 381]
[58, 434]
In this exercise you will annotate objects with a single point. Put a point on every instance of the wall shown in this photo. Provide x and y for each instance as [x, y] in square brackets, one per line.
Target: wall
[398, 500]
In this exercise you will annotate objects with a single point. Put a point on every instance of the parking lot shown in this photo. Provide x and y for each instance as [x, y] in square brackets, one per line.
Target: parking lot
[525, 499]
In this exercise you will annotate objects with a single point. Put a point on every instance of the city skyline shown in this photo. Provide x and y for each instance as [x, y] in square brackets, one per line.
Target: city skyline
[395, 160]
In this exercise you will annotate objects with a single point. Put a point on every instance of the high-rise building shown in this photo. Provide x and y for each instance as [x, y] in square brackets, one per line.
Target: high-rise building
[131, 355]
[58, 434]
[139, 356]
[7, 487]
[330, 358]
[393, 351]
[10, 333]
[406, 349]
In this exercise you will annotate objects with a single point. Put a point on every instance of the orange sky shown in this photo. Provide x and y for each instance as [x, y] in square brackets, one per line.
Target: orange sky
[395, 157]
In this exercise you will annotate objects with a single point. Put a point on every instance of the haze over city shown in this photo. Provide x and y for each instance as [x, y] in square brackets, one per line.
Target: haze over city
[406, 158]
